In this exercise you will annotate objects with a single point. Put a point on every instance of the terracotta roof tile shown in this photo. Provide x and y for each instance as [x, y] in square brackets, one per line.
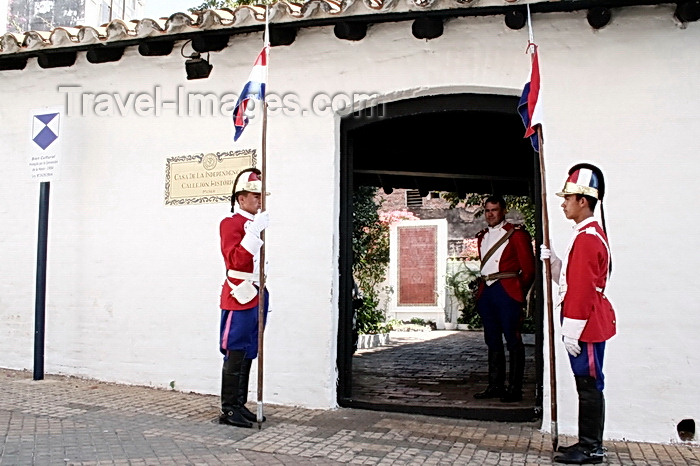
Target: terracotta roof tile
[90, 35]
[34, 40]
[148, 28]
[118, 30]
[244, 16]
[11, 42]
[180, 22]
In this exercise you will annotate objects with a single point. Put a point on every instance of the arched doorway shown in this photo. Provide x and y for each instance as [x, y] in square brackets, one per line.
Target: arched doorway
[464, 143]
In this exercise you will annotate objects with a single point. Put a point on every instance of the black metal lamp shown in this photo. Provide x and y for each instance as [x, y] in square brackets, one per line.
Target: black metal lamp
[196, 66]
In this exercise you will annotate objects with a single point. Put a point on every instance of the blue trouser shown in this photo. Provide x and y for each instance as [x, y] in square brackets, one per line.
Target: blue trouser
[238, 330]
[501, 315]
[589, 363]
[588, 373]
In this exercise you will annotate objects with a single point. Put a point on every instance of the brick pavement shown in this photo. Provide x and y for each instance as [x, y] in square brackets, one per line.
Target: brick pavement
[71, 421]
[434, 370]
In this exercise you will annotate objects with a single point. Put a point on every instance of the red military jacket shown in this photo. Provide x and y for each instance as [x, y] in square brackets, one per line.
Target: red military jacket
[516, 257]
[239, 251]
[584, 277]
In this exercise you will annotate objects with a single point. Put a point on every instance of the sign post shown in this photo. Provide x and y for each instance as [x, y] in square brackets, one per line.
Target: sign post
[43, 161]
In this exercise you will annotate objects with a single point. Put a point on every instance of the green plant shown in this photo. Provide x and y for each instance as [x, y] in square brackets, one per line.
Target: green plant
[369, 318]
[391, 324]
[462, 283]
[370, 247]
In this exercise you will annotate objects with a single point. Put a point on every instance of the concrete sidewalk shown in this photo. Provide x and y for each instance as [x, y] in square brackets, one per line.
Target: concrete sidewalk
[69, 421]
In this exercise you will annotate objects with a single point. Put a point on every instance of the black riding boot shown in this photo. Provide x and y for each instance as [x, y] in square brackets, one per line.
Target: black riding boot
[243, 391]
[591, 415]
[516, 371]
[230, 381]
[497, 376]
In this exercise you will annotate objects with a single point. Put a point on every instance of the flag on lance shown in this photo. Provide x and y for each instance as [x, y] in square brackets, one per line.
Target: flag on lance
[253, 89]
[530, 107]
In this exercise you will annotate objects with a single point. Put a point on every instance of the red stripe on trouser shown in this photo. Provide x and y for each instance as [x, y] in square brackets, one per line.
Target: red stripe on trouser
[591, 361]
[227, 330]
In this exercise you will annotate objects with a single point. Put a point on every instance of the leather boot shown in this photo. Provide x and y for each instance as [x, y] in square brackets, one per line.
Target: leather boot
[497, 376]
[242, 393]
[591, 405]
[601, 423]
[230, 382]
[516, 371]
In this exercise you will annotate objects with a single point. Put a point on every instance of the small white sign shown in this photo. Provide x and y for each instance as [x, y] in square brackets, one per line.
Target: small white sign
[45, 144]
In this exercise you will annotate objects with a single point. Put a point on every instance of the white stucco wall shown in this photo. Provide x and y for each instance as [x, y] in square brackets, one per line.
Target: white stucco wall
[133, 284]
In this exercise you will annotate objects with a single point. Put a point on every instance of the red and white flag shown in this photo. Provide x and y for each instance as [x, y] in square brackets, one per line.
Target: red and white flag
[253, 89]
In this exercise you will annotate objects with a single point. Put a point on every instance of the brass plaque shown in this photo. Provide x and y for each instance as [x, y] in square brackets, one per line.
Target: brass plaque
[204, 178]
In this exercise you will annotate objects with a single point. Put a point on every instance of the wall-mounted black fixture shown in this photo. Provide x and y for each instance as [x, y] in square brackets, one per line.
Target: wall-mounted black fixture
[427, 28]
[196, 66]
[350, 30]
[156, 48]
[210, 43]
[56, 60]
[103, 54]
[282, 36]
[515, 19]
[598, 16]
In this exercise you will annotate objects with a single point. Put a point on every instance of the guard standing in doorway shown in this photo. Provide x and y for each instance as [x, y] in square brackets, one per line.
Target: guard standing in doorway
[508, 270]
[588, 319]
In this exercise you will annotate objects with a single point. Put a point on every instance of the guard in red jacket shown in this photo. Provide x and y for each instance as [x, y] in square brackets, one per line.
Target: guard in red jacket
[507, 272]
[588, 319]
[238, 337]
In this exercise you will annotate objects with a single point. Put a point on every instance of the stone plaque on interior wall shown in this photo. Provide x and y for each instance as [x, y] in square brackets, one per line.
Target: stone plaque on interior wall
[417, 265]
[204, 178]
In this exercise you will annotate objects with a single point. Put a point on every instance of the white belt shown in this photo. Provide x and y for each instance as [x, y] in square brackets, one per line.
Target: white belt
[238, 275]
[562, 289]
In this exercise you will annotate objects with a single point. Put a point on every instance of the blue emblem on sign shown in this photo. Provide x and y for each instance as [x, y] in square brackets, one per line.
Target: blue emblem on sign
[45, 129]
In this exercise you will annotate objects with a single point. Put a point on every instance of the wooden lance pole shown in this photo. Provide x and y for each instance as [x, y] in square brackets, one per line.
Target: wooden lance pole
[261, 291]
[263, 196]
[547, 264]
[550, 307]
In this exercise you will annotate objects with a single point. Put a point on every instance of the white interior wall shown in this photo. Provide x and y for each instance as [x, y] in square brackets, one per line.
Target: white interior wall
[133, 284]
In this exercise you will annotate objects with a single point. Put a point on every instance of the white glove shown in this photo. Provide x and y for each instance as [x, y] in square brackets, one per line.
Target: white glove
[259, 223]
[554, 261]
[571, 330]
[572, 346]
[547, 253]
